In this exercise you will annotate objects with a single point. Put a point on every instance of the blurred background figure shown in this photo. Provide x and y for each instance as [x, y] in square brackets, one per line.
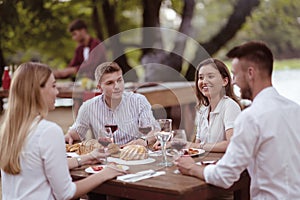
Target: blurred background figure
[86, 43]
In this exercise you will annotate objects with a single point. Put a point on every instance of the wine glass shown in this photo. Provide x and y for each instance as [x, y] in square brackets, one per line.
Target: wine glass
[164, 135]
[113, 127]
[105, 138]
[178, 142]
[144, 129]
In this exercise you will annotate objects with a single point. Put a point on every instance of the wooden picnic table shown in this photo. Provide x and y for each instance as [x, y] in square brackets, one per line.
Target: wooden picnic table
[167, 187]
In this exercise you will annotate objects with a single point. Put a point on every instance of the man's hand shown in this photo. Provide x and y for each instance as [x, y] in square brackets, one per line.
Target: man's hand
[187, 166]
[68, 138]
[71, 136]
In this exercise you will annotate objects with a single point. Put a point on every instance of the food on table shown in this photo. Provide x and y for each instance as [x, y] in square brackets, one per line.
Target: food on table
[190, 151]
[97, 168]
[113, 149]
[72, 147]
[134, 152]
[84, 147]
[88, 146]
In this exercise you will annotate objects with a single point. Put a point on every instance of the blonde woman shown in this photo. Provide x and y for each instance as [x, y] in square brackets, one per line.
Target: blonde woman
[32, 150]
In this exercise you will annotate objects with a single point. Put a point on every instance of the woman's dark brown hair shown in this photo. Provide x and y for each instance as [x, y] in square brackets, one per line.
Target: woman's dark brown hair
[222, 68]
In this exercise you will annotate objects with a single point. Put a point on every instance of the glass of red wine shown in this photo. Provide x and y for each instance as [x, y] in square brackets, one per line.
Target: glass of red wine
[113, 127]
[105, 138]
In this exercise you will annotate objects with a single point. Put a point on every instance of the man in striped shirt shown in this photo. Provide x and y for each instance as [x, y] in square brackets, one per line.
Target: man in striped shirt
[115, 106]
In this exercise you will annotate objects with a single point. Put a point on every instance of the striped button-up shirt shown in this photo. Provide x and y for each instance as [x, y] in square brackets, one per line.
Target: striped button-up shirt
[133, 110]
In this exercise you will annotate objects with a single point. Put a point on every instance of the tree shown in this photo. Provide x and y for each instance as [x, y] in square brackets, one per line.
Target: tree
[28, 29]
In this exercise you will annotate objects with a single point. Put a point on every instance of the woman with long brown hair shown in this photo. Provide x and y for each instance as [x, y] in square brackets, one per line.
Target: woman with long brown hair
[217, 106]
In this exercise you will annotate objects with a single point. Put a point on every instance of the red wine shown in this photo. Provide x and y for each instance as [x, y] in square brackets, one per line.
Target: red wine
[112, 127]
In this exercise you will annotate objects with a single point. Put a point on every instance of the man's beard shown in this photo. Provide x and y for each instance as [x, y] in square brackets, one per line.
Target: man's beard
[246, 93]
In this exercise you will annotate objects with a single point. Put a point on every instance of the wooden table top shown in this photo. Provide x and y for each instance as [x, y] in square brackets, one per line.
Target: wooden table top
[170, 186]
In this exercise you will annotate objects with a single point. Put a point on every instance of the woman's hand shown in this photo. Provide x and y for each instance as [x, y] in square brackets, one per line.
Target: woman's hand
[112, 170]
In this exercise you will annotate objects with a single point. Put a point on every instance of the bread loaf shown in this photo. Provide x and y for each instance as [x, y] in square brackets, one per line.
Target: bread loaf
[113, 148]
[134, 152]
[88, 146]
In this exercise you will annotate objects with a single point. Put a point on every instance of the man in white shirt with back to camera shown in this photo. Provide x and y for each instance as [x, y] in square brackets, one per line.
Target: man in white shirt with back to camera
[266, 135]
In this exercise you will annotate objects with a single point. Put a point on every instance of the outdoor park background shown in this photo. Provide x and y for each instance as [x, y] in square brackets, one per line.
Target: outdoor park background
[37, 31]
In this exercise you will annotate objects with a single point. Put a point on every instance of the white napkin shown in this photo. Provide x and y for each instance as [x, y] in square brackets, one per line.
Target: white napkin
[140, 175]
[154, 153]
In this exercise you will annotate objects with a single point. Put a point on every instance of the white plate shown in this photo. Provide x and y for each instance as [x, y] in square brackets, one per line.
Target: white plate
[172, 153]
[90, 169]
[200, 151]
[130, 162]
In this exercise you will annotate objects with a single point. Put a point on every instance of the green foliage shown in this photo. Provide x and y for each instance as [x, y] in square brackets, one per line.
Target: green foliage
[208, 19]
[274, 22]
[38, 29]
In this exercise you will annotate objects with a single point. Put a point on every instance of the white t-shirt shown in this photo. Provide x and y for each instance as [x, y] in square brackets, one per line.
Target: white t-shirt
[134, 109]
[44, 169]
[86, 52]
[221, 119]
[266, 141]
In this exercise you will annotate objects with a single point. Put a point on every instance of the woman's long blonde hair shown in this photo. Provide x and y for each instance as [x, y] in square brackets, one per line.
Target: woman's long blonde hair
[25, 102]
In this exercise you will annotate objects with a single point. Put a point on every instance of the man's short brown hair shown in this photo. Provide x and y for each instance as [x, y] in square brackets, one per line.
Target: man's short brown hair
[106, 68]
[77, 24]
[254, 51]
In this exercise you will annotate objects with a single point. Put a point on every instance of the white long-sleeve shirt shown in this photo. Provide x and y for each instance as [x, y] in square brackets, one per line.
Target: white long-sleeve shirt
[44, 169]
[266, 141]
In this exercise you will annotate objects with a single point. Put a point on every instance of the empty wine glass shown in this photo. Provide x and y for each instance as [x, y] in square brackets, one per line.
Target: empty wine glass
[105, 138]
[178, 142]
[164, 135]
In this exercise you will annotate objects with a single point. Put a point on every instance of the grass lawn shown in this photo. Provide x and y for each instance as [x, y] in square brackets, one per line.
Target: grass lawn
[279, 64]
[287, 64]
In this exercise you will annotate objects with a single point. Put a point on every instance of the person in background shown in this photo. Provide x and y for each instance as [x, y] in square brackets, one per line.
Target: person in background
[266, 135]
[113, 107]
[86, 43]
[32, 150]
[217, 105]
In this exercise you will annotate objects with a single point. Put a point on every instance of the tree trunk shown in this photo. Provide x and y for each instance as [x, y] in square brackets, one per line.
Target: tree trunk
[241, 11]
[159, 64]
[115, 44]
[96, 22]
[175, 58]
[151, 37]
